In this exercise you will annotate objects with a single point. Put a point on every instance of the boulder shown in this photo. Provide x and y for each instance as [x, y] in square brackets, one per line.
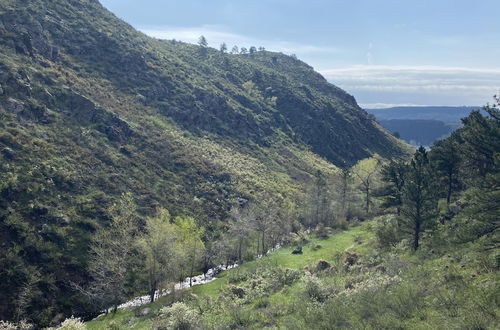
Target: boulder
[350, 259]
[297, 250]
[8, 153]
[238, 291]
[322, 265]
[14, 106]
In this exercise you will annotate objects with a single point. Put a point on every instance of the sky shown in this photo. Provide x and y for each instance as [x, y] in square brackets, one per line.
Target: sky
[383, 52]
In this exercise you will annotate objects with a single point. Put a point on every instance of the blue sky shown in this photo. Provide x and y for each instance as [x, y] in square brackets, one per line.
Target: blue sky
[384, 52]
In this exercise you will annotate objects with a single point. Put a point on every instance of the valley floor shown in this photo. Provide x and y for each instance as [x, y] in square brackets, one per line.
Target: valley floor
[343, 281]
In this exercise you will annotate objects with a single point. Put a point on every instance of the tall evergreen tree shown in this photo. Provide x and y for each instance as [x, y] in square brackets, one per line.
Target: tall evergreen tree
[445, 156]
[419, 198]
[393, 175]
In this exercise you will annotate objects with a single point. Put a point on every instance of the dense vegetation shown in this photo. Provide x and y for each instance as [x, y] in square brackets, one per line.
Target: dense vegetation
[95, 116]
[430, 259]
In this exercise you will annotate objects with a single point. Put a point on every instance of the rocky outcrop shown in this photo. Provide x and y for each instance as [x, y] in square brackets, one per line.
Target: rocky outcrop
[85, 112]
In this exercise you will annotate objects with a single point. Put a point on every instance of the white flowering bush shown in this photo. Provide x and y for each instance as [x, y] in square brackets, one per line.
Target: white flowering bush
[23, 325]
[179, 316]
[72, 324]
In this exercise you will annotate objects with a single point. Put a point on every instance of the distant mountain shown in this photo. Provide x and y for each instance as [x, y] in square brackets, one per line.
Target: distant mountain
[421, 125]
[418, 131]
[441, 113]
[91, 108]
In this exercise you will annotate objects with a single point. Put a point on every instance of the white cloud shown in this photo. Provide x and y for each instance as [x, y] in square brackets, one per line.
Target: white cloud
[216, 35]
[430, 79]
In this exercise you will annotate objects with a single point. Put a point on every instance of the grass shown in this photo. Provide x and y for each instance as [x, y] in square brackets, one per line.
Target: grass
[337, 242]
[456, 290]
[284, 257]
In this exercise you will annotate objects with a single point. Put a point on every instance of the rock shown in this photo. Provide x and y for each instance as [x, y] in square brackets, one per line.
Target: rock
[1, 89]
[297, 250]
[316, 247]
[322, 265]
[14, 105]
[8, 153]
[145, 311]
[350, 259]
[238, 291]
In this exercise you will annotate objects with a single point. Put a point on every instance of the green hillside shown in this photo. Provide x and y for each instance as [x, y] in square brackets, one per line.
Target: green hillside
[91, 109]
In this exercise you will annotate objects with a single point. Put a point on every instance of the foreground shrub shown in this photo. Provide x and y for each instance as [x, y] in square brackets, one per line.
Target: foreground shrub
[315, 289]
[179, 316]
[386, 231]
[72, 324]
[23, 325]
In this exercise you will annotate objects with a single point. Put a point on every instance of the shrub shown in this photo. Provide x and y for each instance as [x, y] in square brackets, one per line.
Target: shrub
[386, 231]
[177, 317]
[315, 289]
[72, 324]
[23, 325]
[321, 231]
[340, 223]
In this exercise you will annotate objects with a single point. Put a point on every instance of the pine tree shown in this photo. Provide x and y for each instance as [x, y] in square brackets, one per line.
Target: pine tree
[445, 156]
[393, 175]
[419, 198]
[202, 42]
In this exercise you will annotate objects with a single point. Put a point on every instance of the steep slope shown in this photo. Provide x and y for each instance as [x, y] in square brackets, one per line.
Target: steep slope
[91, 108]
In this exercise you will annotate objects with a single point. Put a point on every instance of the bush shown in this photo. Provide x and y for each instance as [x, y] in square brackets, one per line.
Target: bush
[72, 324]
[321, 231]
[340, 223]
[177, 317]
[315, 289]
[23, 325]
[386, 231]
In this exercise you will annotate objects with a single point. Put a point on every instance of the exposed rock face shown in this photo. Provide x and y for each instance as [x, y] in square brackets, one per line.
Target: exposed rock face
[86, 112]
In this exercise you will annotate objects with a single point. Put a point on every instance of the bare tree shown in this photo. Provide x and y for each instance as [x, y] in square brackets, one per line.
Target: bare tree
[366, 172]
[112, 250]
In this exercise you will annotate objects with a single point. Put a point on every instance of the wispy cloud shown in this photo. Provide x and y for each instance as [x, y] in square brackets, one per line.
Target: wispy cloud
[218, 34]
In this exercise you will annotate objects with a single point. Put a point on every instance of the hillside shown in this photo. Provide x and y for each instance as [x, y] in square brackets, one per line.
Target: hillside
[91, 109]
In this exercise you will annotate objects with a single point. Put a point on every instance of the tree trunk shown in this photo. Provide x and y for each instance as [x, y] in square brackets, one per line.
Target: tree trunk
[448, 197]
[263, 245]
[367, 199]
[416, 235]
[240, 244]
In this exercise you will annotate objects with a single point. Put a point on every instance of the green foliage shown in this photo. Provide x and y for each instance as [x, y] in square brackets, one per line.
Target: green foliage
[92, 109]
[445, 156]
[387, 231]
[419, 197]
[72, 324]
[393, 175]
[162, 251]
[179, 316]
